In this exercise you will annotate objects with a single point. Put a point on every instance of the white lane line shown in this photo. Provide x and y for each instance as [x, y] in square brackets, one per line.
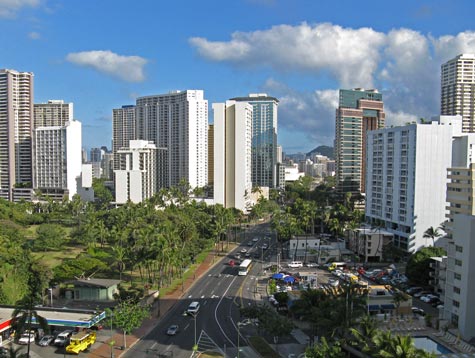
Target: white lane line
[216, 313]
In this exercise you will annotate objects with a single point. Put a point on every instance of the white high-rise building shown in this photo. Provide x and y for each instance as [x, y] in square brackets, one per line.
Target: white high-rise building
[406, 182]
[16, 121]
[459, 290]
[123, 130]
[232, 154]
[135, 180]
[57, 159]
[57, 149]
[458, 89]
[177, 122]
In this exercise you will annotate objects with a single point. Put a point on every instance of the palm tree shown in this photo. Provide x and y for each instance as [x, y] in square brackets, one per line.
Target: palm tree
[24, 313]
[432, 233]
[325, 349]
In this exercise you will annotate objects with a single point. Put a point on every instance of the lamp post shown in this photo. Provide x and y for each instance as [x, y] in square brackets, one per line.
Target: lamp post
[51, 296]
[195, 347]
[112, 342]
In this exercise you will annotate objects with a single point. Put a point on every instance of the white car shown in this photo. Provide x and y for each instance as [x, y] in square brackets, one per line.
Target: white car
[295, 264]
[26, 338]
[172, 330]
[256, 239]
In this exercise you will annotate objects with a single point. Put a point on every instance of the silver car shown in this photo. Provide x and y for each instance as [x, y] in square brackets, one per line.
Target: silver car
[172, 330]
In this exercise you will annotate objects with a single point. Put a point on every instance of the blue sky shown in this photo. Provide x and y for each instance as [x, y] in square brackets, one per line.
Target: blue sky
[102, 54]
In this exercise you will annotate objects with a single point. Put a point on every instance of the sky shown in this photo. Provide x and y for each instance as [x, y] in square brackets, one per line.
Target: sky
[102, 54]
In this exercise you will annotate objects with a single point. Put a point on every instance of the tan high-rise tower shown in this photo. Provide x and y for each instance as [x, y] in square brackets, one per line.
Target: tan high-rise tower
[16, 122]
[457, 92]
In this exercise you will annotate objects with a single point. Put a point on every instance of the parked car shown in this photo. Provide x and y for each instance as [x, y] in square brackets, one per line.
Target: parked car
[311, 264]
[62, 339]
[172, 330]
[414, 289]
[429, 298]
[243, 251]
[256, 239]
[421, 293]
[46, 340]
[27, 337]
[419, 311]
[295, 264]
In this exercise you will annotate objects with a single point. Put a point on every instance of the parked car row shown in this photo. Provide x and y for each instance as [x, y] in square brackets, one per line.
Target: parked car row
[425, 296]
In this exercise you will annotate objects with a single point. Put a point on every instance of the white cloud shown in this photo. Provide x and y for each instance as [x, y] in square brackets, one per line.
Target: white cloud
[312, 113]
[403, 64]
[351, 55]
[34, 35]
[127, 68]
[9, 8]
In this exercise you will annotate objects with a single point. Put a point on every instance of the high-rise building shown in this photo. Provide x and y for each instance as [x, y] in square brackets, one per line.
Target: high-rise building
[123, 130]
[52, 113]
[264, 138]
[456, 270]
[358, 112]
[232, 154]
[177, 123]
[210, 155]
[57, 150]
[57, 159]
[406, 178]
[135, 180]
[457, 94]
[16, 122]
[96, 154]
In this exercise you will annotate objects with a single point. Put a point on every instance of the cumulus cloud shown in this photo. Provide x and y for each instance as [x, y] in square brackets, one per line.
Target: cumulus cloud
[403, 64]
[127, 68]
[9, 8]
[351, 55]
[312, 113]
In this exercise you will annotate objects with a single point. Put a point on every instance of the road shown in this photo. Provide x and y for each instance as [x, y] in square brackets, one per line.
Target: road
[221, 292]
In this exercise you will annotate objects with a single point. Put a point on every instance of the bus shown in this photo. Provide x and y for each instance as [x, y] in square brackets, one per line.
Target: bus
[244, 267]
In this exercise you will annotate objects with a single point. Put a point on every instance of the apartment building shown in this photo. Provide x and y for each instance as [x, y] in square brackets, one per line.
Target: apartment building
[135, 180]
[16, 124]
[395, 158]
[232, 154]
[264, 138]
[457, 94]
[123, 130]
[177, 122]
[358, 112]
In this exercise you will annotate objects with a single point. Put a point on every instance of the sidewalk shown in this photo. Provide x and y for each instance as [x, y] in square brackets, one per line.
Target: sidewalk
[166, 303]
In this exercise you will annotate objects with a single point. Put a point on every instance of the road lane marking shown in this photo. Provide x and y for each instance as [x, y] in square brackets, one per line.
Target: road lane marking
[216, 313]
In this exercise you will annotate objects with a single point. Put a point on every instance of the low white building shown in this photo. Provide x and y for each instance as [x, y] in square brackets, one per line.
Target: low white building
[369, 243]
[136, 178]
[84, 183]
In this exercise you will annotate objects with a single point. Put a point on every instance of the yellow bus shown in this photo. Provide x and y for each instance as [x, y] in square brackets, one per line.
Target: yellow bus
[81, 341]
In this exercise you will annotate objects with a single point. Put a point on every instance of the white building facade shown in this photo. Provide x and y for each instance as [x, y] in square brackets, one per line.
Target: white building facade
[395, 157]
[232, 154]
[177, 122]
[57, 159]
[135, 180]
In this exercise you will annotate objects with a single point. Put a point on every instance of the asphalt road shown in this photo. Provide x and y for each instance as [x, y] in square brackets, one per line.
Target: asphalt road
[221, 292]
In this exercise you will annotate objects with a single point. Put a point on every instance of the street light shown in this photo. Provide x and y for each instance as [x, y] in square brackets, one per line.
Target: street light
[195, 347]
[51, 296]
[112, 342]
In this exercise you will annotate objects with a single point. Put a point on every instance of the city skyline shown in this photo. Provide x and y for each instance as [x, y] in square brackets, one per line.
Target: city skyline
[301, 53]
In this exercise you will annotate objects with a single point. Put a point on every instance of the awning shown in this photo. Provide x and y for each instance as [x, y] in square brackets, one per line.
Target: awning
[374, 307]
[388, 307]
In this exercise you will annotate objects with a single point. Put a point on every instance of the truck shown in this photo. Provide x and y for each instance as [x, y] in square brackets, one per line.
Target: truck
[81, 341]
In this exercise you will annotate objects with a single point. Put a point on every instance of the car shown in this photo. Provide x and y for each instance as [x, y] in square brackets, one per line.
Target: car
[172, 330]
[337, 273]
[193, 308]
[256, 239]
[257, 255]
[421, 293]
[429, 298]
[27, 337]
[237, 256]
[295, 264]
[247, 255]
[250, 243]
[243, 251]
[232, 263]
[46, 340]
[311, 264]
[62, 339]
[265, 247]
[413, 290]
[419, 311]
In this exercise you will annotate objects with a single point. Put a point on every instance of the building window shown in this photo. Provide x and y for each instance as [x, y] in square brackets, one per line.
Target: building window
[457, 276]
[458, 262]
[457, 290]
[456, 303]
[458, 248]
